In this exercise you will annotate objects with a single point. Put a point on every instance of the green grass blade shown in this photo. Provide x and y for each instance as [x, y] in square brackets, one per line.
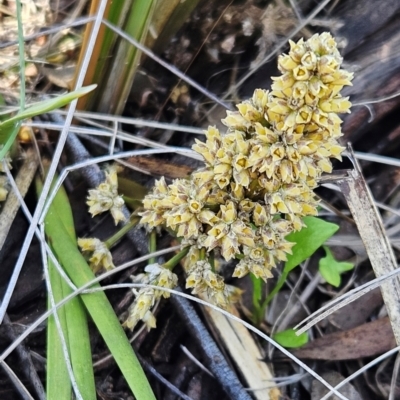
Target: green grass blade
[169, 17]
[78, 331]
[45, 106]
[58, 385]
[116, 15]
[75, 327]
[98, 306]
[120, 78]
[8, 134]
[10, 127]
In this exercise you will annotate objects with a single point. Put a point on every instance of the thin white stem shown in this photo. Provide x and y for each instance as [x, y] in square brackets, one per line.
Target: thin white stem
[343, 300]
[395, 375]
[12, 375]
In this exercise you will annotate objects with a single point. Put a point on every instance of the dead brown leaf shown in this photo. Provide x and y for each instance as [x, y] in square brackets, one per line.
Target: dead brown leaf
[366, 340]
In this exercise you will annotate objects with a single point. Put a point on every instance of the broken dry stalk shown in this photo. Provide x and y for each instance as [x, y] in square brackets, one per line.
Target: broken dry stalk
[372, 232]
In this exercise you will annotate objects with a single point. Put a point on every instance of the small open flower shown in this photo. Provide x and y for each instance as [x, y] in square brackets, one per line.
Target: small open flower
[105, 198]
[155, 275]
[145, 300]
[229, 232]
[257, 261]
[100, 255]
[201, 279]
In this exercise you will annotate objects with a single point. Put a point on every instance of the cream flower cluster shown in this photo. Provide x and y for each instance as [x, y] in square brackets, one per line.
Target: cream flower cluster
[99, 255]
[105, 197]
[146, 297]
[259, 176]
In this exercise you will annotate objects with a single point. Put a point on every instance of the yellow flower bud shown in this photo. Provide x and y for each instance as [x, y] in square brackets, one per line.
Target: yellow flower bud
[309, 60]
[228, 212]
[260, 215]
[338, 105]
[242, 178]
[223, 169]
[301, 73]
[297, 50]
[325, 165]
[277, 151]
[286, 63]
[327, 65]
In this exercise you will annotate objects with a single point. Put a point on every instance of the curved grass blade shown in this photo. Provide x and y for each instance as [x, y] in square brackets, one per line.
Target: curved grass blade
[73, 322]
[9, 128]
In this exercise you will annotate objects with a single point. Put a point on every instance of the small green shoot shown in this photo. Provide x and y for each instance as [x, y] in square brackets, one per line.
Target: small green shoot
[290, 340]
[331, 270]
[257, 289]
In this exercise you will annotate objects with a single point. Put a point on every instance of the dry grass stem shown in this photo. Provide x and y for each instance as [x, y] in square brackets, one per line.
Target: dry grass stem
[246, 355]
[377, 244]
